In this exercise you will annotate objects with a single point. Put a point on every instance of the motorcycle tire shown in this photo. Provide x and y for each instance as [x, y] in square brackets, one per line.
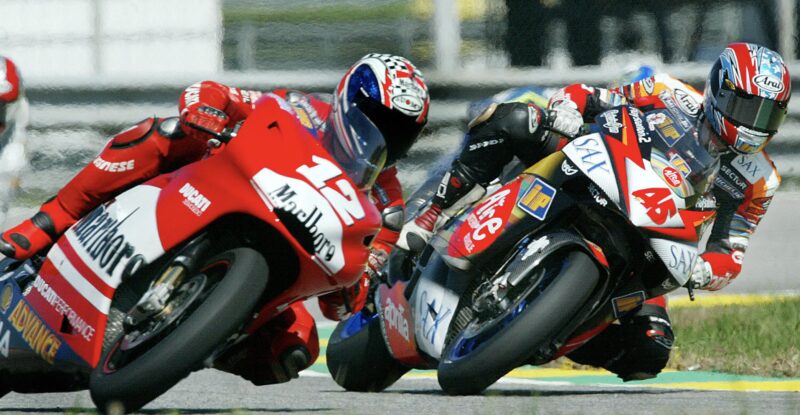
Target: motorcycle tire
[532, 329]
[218, 315]
[361, 361]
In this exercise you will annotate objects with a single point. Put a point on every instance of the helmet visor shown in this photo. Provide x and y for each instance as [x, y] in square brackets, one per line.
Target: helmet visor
[758, 113]
[356, 144]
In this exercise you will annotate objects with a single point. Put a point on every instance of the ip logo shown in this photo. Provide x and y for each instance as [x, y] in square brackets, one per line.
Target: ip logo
[537, 199]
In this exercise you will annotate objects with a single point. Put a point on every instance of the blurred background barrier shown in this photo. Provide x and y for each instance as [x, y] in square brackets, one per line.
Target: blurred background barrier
[93, 67]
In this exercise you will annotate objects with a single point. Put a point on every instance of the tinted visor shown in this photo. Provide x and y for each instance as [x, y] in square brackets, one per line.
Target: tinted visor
[399, 130]
[356, 144]
[741, 108]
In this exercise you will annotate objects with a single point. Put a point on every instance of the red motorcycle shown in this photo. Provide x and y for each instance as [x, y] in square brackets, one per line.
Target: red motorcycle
[171, 274]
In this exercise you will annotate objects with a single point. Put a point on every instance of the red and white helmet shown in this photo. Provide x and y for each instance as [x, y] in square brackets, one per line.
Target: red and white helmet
[10, 93]
[392, 93]
[746, 96]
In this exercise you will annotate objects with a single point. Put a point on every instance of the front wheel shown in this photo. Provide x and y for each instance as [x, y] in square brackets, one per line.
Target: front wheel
[207, 308]
[498, 339]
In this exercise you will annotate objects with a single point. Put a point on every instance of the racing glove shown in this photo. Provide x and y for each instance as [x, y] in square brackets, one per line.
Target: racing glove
[341, 304]
[564, 118]
[715, 270]
[202, 121]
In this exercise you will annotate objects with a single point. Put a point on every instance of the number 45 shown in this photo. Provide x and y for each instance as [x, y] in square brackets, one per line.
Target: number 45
[344, 201]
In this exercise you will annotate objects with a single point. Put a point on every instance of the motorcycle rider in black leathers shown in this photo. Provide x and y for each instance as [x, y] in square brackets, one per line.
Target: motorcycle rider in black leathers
[744, 102]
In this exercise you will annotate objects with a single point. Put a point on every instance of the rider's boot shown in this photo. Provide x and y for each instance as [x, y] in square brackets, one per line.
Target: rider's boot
[37, 233]
[278, 351]
[636, 349]
[456, 191]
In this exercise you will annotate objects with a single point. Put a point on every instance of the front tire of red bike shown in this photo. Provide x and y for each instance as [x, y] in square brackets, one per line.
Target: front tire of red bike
[127, 379]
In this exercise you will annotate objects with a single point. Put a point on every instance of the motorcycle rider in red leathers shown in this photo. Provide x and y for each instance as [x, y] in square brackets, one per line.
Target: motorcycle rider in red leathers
[388, 89]
[744, 102]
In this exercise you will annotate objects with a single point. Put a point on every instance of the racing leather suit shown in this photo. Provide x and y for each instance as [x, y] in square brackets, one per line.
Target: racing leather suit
[640, 346]
[160, 145]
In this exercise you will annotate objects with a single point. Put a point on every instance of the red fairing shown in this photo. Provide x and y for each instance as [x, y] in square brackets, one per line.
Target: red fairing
[273, 168]
[398, 324]
[486, 222]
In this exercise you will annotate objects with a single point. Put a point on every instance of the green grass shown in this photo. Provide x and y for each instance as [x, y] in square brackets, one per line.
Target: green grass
[759, 340]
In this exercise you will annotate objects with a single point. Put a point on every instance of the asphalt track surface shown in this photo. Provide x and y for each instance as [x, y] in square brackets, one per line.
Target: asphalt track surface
[213, 392]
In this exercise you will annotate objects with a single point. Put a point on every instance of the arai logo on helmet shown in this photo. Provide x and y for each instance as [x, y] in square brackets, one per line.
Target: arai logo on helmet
[672, 176]
[768, 83]
[408, 97]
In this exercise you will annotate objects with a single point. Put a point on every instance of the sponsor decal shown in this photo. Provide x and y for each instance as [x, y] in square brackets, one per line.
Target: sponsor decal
[728, 188]
[639, 125]
[705, 202]
[627, 303]
[658, 202]
[679, 163]
[194, 200]
[484, 219]
[590, 156]
[733, 177]
[649, 85]
[79, 325]
[487, 143]
[305, 111]
[6, 297]
[407, 96]
[192, 95]
[668, 131]
[535, 247]
[681, 259]
[99, 235]
[395, 318]
[537, 199]
[567, 168]
[749, 167]
[286, 199]
[687, 104]
[597, 195]
[655, 119]
[469, 244]
[116, 167]
[534, 118]
[672, 106]
[35, 332]
[768, 83]
[672, 176]
[5, 334]
[432, 317]
[612, 122]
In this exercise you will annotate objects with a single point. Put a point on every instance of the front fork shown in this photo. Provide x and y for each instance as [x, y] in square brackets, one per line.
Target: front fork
[155, 299]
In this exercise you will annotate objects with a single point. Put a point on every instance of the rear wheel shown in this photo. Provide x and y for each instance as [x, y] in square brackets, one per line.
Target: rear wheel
[358, 358]
[500, 336]
[139, 364]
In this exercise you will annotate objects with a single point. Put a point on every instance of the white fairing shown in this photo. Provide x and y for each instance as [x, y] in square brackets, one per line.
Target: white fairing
[311, 208]
[109, 239]
[645, 178]
[679, 258]
[590, 155]
[433, 307]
